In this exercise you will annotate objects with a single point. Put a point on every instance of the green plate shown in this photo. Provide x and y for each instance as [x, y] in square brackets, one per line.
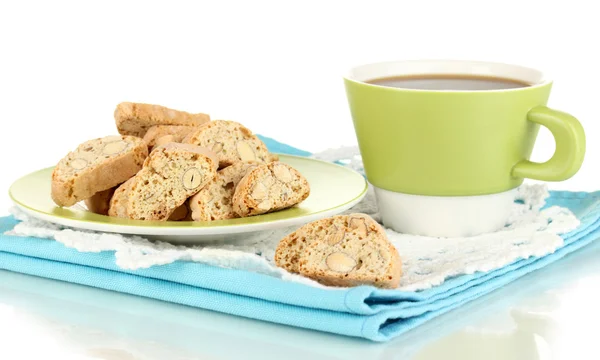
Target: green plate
[334, 189]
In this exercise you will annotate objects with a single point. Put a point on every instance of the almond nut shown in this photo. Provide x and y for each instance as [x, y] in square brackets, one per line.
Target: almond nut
[284, 195]
[340, 262]
[245, 151]
[217, 147]
[265, 205]
[114, 147]
[87, 156]
[192, 178]
[112, 138]
[78, 164]
[336, 236]
[359, 225]
[164, 140]
[247, 167]
[260, 191]
[282, 173]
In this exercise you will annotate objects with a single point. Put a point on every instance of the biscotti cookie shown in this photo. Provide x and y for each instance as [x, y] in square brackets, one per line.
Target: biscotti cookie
[100, 202]
[231, 141]
[135, 119]
[96, 165]
[118, 204]
[269, 187]
[215, 200]
[163, 134]
[171, 174]
[345, 250]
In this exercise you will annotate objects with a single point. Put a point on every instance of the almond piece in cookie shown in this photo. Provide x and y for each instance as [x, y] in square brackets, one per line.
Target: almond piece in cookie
[163, 134]
[100, 202]
[171, 174]
[96, 165]
[231, 141]
[135, 119]
[269, 187]
[331, 230]
[344, 250]
[215, 200]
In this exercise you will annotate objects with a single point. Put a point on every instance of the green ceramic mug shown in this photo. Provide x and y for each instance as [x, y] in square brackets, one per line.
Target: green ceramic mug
[438, 159]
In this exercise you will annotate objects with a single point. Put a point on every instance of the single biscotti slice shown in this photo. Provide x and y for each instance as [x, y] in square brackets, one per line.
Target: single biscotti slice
[100, 202]
[96, 165]
[215, 200]
[118, 204]
[171, 174]
[332, 229]
[135, 118]
[231, 141]
[269, 187]
[355, 251]
[345, 250]
[164, 134]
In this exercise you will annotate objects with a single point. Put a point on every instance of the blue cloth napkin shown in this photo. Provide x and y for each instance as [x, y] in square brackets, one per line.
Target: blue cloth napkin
[365, 312]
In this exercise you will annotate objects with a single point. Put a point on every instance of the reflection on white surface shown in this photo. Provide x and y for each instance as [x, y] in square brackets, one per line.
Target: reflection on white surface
[544, 352]
[549, 314]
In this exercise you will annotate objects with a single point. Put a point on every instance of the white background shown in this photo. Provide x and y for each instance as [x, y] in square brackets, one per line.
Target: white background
[275, 66]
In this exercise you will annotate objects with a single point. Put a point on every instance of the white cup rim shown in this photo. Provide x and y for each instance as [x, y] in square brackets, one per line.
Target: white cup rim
[363, 73]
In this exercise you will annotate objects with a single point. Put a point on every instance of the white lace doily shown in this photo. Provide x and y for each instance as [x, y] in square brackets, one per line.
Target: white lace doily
[426, 261]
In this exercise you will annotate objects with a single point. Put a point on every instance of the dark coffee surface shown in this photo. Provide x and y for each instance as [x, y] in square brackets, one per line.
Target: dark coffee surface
[448, 82]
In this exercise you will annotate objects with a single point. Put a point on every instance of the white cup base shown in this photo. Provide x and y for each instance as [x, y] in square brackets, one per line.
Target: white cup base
[444, 216]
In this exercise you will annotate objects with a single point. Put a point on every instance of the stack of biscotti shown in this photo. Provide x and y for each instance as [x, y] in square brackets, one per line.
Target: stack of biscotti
[173, 165]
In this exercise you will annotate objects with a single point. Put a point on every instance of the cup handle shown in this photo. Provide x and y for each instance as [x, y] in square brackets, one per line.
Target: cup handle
[570, 147]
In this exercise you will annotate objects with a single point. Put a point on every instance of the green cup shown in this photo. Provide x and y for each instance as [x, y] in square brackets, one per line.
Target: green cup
[449, 153]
